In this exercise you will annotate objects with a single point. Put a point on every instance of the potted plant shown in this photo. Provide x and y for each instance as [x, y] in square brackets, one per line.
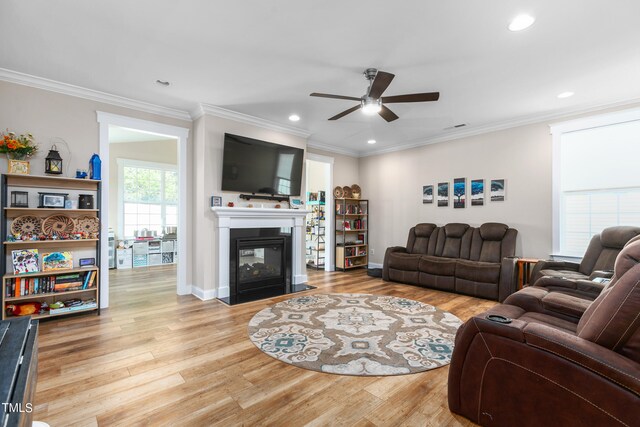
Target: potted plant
[18, 149]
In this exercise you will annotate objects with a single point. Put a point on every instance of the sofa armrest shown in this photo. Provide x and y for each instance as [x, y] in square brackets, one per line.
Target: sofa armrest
[604, 274]
[552, 265]
[508, 277]
[586, 288]
[385, 265]
[600, 360]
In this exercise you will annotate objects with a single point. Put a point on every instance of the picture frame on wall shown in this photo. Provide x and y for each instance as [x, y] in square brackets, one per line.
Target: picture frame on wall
[477, 192]
[443, 194]
[427, 194]
[216, 201]
[459, 193]
[498, 191]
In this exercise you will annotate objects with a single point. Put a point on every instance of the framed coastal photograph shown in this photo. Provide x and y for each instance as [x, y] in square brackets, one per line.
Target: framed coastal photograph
[459, 193]
[477, 192]
[57, 261]
[443, 194]
[427, 194]
[497, 190]
[25, 261]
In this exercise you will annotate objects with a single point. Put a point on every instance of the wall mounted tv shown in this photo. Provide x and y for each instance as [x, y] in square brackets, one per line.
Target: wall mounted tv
[253, 166]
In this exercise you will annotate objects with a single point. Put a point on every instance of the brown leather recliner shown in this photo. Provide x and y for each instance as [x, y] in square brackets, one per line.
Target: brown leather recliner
[541, 369]
[457, 258]
[597, 261]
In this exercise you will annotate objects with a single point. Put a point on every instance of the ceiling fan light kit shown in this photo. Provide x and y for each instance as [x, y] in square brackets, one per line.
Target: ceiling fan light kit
[373, 102]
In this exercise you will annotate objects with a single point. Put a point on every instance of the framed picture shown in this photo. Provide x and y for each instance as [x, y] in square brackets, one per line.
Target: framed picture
[57, 261]
[20, 167]
[443, 194]
[216, 201]
[427, 194]
[25, 261]
[459, 193]
[477, 192]
[497, 190]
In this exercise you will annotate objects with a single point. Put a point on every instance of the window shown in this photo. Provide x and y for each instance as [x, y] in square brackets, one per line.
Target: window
[148, 196]
[595, 180]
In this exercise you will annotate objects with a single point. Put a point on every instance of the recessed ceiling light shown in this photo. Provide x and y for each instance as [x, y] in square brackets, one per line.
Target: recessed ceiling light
[565, 95]
[163, 82]
[294, 117]
[371, 141]
[521, 22]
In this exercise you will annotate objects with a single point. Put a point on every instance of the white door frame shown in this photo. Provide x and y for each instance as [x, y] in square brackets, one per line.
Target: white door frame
[181, 134]
[329, 260]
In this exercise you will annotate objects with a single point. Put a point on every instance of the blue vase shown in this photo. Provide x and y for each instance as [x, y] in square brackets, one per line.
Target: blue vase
[95, 164]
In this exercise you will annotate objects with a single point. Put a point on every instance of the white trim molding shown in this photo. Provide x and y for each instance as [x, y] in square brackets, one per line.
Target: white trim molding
[203, 294]
[90, 94]
[245, 118]
[106, 120]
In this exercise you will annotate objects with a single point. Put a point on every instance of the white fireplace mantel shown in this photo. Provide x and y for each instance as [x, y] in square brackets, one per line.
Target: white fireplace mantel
[228, 218]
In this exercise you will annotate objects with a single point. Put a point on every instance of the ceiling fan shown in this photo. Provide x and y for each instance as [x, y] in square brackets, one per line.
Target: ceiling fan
[373, 102]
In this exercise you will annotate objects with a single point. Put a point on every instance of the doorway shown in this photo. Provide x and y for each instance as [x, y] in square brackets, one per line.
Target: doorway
[144, 201]
[319, 222]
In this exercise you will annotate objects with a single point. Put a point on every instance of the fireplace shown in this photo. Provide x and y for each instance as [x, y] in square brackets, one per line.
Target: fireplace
[259, 263]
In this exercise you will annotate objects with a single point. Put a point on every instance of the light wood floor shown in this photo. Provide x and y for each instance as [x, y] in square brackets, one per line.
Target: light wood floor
[154, 358]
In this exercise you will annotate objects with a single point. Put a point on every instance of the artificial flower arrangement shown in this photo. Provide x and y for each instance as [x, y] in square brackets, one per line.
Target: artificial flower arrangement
[17, 147]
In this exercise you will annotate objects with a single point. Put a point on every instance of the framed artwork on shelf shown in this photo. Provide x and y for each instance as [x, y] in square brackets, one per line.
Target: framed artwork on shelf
[460, 193]
[443, 194]
[477, 192]
[20, 167]
[57, 261]
[216, 201]
[427, 194]
[25, 261]
[498, 192]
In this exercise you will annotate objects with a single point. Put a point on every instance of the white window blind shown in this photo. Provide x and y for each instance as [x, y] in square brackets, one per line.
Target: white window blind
[599, 182]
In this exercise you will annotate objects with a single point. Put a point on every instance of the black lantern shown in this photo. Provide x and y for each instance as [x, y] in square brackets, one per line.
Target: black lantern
[53, 162]
[19, 199]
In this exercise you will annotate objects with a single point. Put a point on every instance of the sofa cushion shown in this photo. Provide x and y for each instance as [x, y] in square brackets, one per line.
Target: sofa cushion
[477, 271]
[454, 241]
[420, 239]
[437, 265]
[404, 261]
[563, 274]
[569, 305]
[493, 231]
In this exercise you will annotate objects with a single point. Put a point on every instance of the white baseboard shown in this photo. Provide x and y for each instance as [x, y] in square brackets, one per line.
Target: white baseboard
[202, 294]
[375, 265]
[300, 278]
[187, 290]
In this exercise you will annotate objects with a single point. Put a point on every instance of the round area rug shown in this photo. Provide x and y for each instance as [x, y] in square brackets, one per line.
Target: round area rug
[356, 334]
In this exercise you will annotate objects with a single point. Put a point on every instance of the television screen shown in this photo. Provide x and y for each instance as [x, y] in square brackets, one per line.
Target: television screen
[253, 166]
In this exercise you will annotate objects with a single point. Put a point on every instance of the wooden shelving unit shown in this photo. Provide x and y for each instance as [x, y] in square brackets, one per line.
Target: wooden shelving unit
[351, 233]
[34, 184]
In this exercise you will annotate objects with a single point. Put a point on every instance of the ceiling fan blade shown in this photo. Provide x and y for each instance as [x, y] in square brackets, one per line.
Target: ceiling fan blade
[387, 114]
[327, 95]
[345, 112]
[414, 97]
[380, 84]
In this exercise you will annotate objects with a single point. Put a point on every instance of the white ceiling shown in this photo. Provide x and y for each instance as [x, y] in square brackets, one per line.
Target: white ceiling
[264, 57]
[119, 134]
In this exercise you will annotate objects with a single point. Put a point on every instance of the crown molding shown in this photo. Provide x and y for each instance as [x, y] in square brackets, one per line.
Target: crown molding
[245, 118]
[504, 125]
[332, 149]
[90, 94]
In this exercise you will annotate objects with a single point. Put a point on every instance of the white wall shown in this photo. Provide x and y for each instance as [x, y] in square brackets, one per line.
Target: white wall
[346, 170]
[148, 151]
[393, 184]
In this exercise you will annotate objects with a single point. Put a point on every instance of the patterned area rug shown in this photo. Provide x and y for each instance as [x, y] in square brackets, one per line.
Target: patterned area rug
[356, 334]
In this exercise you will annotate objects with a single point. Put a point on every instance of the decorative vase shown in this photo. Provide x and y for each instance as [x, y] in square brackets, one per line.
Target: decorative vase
[17, 164]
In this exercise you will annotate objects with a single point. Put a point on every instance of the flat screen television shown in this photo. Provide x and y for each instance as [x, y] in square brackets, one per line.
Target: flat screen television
[253, 166]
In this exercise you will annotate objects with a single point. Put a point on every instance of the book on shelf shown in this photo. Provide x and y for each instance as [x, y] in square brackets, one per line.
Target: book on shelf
[26, 286]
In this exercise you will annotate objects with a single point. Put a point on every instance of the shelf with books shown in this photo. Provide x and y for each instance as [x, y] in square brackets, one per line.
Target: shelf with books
[41, 275]
[315, 236]
[351, 233]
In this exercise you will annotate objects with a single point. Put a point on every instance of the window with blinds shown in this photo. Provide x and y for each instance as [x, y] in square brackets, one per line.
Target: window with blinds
[599, 183]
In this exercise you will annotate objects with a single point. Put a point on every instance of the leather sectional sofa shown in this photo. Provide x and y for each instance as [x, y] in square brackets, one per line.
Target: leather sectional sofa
[515, 365]
[476, 261]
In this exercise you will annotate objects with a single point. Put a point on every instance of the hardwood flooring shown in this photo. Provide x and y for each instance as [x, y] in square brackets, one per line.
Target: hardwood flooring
[155, 358]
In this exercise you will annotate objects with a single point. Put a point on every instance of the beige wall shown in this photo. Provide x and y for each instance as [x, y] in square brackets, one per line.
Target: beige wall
[346, 169]
[148, 151]
[209, 144]
[522, 156]
[316, 176]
